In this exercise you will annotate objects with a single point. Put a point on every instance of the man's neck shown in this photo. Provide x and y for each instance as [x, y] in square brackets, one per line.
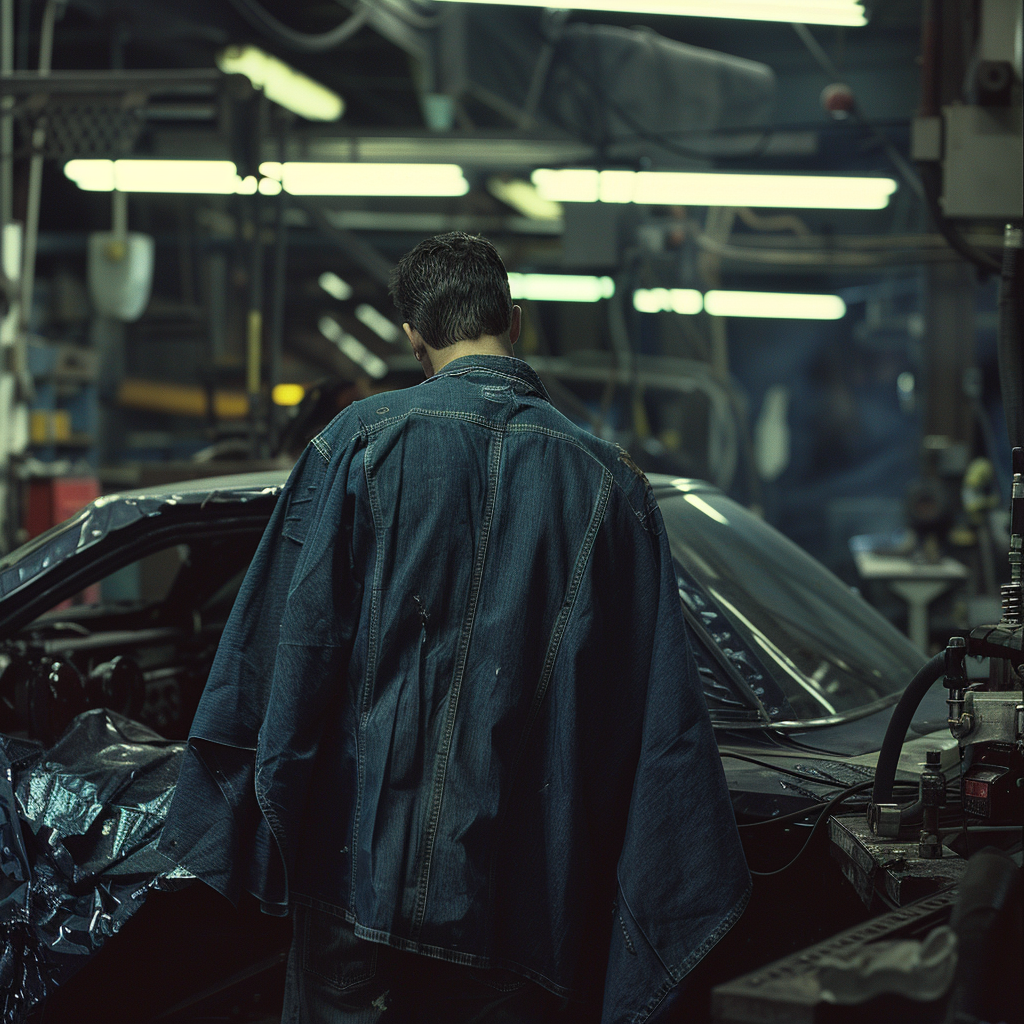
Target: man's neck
[486, 345]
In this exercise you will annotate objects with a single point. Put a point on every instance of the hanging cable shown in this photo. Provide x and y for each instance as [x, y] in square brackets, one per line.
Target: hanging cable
[304, 42]
[902, 165]
[931, 171]
[823, 816]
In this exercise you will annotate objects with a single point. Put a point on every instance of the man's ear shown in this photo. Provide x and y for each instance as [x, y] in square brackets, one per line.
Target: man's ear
[515, 324]
[419, 348]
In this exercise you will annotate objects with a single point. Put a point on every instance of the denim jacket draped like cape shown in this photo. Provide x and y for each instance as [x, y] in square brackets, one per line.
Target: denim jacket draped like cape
[454, 703]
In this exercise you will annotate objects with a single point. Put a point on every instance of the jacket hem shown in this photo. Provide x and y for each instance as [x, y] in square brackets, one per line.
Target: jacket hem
[386, 938]
[676, 976]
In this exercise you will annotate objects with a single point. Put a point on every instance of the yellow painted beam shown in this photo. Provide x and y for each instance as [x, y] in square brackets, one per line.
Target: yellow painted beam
[181, 399]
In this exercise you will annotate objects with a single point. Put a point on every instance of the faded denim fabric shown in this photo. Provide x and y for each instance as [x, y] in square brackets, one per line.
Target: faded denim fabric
[455, 705]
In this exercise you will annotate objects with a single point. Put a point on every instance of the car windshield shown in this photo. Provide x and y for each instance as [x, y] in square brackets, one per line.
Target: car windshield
[823, 646]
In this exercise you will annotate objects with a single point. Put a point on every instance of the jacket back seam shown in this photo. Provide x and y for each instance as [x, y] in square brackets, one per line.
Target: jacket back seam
[557, 632]
[444, 748]
[371, 659]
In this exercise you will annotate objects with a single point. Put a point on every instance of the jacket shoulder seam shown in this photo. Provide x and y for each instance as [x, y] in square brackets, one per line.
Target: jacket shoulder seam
[642, 517]
[374, 428]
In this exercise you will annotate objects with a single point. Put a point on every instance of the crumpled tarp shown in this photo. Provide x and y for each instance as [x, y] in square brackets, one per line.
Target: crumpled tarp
[114, 512]
[79, 825]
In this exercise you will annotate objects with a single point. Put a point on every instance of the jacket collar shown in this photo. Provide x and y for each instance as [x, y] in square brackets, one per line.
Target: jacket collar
[508, 366]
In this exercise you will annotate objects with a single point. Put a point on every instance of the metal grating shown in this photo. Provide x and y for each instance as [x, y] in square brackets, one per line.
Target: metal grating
[81, 126]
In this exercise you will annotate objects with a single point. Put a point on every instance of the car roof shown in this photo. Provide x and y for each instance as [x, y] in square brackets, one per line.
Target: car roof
[233, 482]
[111, 513]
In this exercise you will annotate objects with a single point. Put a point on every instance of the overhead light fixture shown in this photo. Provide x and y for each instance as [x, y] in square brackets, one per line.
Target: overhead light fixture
[282, 84]
[808, 12]
[287, 394]
[700, 188]
[768, 305]
[210, 177]
[335, 286]
[775, 305]
[220, 177]
[355, 178]
[669, 300]
[352, 347]
[525, 198]
[378, 323]
[560, 287]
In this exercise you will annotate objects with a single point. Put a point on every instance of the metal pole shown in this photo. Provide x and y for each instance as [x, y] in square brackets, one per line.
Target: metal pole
[6, 119]
[280, 270]
[254, 321]
[35, 184]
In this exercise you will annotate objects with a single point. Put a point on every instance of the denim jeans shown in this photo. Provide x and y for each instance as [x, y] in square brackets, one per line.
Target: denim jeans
[335, 978]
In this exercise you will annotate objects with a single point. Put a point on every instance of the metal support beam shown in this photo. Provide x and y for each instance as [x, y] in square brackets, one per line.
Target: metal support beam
[948, 349]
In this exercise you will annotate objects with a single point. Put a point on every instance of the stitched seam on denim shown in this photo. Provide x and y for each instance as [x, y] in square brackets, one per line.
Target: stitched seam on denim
[705, 947]
[462, 653]
[497, 373]
[276, 830]
[323, 447]
[656, 1000]
[371, 657]
[434, 952]
[359, 979]
[318, 645]
[523, 428]
[692, 960]
[625, 935]
[450, 956]
[557, 632]
[441, 413]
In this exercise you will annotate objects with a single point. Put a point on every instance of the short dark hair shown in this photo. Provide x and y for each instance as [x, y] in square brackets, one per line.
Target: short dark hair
[452, 288]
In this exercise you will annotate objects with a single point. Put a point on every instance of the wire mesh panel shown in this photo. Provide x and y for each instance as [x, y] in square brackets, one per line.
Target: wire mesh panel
[81, 126]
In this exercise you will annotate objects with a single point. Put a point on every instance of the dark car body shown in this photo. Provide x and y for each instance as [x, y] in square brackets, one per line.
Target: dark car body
[121, 607]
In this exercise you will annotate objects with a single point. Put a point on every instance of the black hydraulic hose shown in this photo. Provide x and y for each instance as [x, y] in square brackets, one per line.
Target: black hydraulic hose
[1011, 337]
[896, 733]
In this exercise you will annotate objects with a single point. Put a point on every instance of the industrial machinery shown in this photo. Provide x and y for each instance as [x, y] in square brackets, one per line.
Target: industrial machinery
[946, 867]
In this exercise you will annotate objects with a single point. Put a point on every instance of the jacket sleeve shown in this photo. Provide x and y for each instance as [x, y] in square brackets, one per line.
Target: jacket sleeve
[218, 825]
[682, 876]
[314, 646]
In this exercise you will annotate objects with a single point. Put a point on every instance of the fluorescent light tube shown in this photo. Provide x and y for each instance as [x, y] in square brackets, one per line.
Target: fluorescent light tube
[775, 305]
[670, 300]
[561, 287]
[220, 177]
[282, 84]
[524, 197]
[352, 347]
[212, 177]
[335, 286]
[378, 323]
[691, 188]
[356, 178]
[808, 12]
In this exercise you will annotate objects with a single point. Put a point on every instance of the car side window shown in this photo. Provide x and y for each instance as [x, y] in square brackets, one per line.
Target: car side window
[147, 580]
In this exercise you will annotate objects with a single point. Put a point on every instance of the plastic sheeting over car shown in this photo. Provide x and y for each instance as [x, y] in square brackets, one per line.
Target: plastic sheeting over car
[79, 825]
[114, 512]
